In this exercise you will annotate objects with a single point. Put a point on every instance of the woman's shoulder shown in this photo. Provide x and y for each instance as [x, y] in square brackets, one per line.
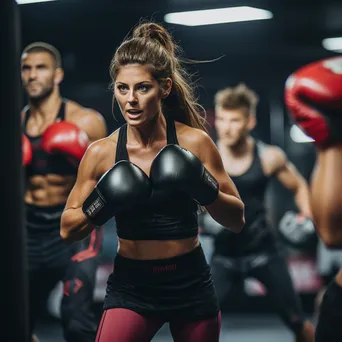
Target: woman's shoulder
[190, 136]
[102, 147]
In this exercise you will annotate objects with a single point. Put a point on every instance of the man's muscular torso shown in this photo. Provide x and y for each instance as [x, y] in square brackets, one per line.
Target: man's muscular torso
[53, 189]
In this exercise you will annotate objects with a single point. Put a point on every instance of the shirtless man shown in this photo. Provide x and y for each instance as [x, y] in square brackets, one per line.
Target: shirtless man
[56, 133]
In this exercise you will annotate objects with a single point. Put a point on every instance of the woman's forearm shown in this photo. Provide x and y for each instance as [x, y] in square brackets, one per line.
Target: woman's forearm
[228, 210]
[74, 225]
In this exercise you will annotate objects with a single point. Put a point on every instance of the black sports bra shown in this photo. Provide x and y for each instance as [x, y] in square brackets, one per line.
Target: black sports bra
[165, 217]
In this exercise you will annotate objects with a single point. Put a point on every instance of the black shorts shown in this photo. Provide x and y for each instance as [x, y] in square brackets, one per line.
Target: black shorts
[45, 247]
[168, 288]
[329, 327]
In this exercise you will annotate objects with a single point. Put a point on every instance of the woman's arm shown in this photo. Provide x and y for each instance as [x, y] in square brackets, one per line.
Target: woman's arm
[74, 223]
[227, 209]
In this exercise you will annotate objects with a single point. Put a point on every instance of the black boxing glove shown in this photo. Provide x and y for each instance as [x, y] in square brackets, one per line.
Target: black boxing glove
[122, 187]
[177, 168]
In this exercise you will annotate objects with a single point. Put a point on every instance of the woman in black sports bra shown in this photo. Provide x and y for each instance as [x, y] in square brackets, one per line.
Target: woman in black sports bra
[152, 174]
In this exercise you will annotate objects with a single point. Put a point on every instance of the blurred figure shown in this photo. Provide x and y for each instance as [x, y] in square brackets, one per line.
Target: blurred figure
[313, 95]
[56, 134]
[254, 252]
[329, 261]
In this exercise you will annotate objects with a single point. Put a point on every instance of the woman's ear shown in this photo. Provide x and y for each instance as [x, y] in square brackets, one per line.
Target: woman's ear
[166, 87]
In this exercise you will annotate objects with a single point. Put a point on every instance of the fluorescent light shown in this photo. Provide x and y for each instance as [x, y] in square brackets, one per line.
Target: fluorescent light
[217, 16]
[25, 2]
[298, 136]
[333, 44]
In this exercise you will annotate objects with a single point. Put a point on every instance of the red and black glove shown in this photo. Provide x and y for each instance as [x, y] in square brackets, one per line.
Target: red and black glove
[26, 150]
[313, 95]
[66, 138]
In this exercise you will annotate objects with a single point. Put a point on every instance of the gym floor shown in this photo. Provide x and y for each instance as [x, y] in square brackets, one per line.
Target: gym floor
[235, 328]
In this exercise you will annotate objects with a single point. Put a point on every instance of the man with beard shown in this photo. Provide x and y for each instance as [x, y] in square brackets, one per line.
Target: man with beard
[56, 134]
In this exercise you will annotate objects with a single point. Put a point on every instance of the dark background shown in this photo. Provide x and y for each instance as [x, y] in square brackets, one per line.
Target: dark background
[261, 54]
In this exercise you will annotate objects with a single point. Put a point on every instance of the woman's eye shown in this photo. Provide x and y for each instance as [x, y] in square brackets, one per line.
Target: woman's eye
[143, 88]
[122, 87]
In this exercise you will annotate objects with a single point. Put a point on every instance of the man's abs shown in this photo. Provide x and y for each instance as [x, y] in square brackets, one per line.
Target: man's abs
[48, 190]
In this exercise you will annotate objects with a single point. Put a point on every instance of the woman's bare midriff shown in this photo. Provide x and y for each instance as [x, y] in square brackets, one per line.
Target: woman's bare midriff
[48, 190]
[152, 249]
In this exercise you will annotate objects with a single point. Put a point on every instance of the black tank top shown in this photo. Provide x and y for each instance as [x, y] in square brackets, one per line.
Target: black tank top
[256, 233]
[164, 217]
[42, 162]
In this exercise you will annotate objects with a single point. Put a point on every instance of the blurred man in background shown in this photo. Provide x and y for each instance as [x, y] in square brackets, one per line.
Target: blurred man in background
[313, 95]
[255, 252]
[56, 134]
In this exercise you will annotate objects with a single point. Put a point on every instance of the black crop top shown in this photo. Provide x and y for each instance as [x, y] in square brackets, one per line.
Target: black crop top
[165, 216]
[42, 162]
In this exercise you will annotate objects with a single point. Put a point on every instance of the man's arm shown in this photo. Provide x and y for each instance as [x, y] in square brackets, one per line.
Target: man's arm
[326, 195]
[277, 163]
[91, 122]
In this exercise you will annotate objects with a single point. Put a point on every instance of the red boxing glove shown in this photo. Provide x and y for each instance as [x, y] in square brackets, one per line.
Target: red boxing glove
[26, 150]
[313, 95]
[66, 138]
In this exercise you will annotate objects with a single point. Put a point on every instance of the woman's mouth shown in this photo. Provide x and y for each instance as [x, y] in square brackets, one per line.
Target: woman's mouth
[134, 113]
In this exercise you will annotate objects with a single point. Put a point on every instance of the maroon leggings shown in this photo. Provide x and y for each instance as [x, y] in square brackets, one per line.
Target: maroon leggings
[122, 325]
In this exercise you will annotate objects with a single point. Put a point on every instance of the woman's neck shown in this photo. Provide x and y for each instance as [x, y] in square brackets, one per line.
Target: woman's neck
[148, 133]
